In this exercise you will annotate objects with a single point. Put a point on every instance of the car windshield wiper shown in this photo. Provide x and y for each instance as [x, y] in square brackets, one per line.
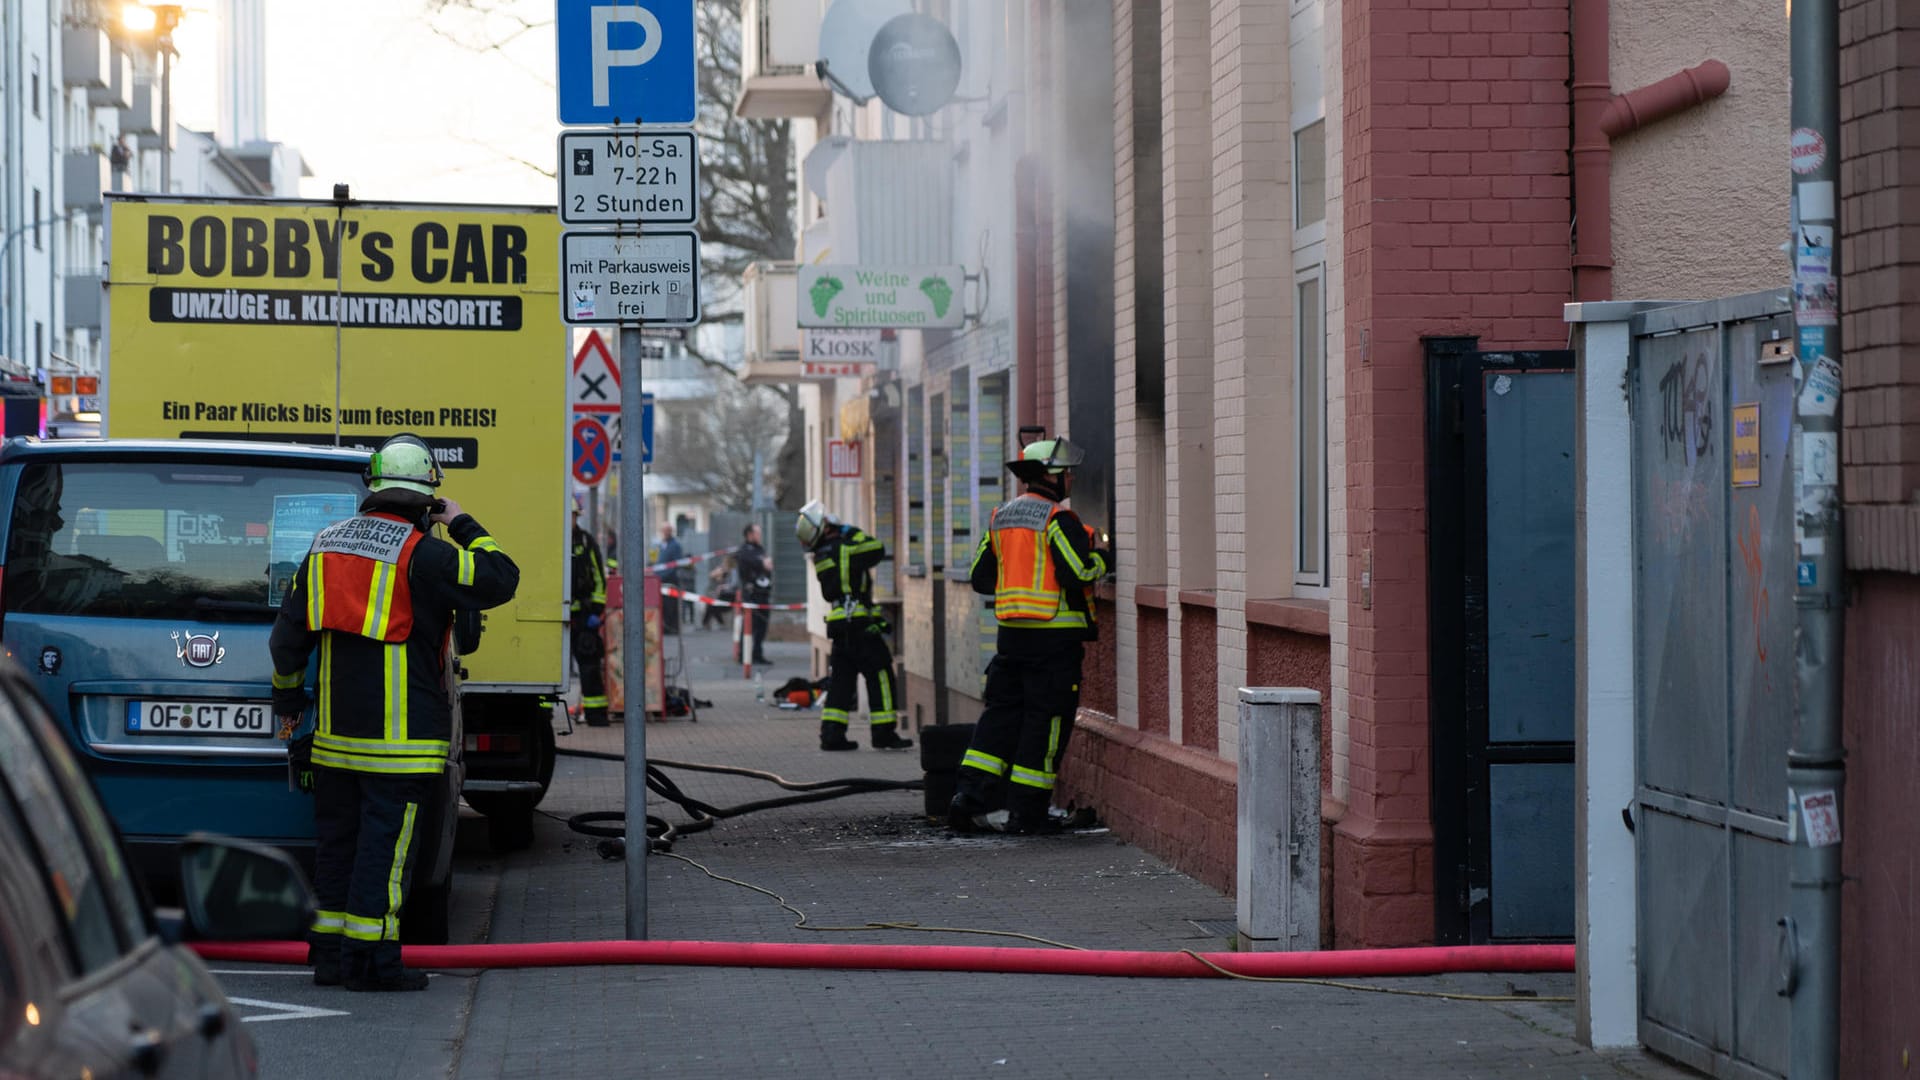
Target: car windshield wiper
[252, 607]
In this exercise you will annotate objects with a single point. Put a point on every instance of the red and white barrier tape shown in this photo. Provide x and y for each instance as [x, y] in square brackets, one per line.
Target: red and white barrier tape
[714, 601]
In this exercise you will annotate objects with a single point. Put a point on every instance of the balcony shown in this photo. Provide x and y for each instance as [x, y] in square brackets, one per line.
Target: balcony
[780, 40]
[118, 93]
[86, 177]
[142, 116]
[772, 323]
[86, 54]
[86, 300]
[890, 202]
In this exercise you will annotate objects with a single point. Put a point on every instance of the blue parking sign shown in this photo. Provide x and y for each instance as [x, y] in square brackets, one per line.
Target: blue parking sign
[626, 61]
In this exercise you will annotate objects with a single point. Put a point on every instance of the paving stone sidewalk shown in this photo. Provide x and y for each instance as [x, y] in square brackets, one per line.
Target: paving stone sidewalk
[875, 858]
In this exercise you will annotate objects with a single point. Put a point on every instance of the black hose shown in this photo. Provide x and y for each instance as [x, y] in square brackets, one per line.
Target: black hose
[661, 833]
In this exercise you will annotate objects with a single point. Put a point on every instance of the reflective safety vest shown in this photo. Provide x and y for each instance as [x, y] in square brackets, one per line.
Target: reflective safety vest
[1027, 591]
[357, 577]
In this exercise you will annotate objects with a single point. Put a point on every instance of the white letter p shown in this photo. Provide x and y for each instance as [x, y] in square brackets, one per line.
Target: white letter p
[606, 58]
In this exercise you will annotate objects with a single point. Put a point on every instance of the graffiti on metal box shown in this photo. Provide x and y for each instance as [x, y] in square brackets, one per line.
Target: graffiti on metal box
[1686, 407]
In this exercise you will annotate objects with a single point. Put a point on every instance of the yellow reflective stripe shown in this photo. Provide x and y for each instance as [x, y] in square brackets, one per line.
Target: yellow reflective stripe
[396, 874]
[374, 625]
[400, 747]
[463, 568]
[981, 551]
[323, 723]
[483, 542]
[594, 701]
[394, 661]
[1032, 779]
[328, 922]
[316, 592]
[288, 681]
[886, 691]
[1057, 539]
[884, 718]
[975, 759]
[384, 766]
[1049, 763]
[360, 929]
[833, 716]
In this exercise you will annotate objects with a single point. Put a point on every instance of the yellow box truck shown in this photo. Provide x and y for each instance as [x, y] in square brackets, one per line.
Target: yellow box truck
[341, 323]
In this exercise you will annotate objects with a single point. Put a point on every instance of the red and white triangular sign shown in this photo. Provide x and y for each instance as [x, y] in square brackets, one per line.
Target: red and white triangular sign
[595, 384]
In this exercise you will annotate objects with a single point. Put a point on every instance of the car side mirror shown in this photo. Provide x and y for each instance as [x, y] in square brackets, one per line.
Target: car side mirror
[467, 627]
[234, 890]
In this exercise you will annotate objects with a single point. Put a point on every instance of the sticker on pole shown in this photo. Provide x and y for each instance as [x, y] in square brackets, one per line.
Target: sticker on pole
[1822, 811]
[1807, 150]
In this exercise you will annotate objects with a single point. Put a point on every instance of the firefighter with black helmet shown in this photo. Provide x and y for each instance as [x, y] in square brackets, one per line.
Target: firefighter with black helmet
[1038, 562]
[376, 595]
[843, 562]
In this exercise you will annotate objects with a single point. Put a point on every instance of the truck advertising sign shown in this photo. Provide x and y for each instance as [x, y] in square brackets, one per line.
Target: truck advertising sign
[311, 322]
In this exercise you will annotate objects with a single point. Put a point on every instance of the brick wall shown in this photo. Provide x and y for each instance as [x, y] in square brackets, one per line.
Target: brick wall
[1175, 802]
[1880, 323]
[1880, 328]
[1199, 673]
[1457, 211]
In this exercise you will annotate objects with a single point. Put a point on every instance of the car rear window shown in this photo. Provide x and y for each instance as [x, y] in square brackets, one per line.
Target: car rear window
[150, 540]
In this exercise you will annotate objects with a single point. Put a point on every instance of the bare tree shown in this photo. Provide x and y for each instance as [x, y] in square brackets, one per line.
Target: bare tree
[746, 176]
[713, 443]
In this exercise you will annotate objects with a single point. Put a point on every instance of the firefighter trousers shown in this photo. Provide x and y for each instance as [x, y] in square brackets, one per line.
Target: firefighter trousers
[589, 650]
[1022, 735]
[858, 653]
[367, 837]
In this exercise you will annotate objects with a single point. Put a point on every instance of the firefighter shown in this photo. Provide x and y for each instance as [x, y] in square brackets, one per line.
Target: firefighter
[843, 562]
[1038, 562]
[587, 610]
[376, 595]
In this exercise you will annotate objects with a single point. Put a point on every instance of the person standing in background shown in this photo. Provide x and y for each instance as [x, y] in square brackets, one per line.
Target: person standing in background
[669, 577]
[756, 587]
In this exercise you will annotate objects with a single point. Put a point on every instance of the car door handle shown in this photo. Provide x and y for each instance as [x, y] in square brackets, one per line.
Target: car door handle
[147, 1050]
[213, 1020]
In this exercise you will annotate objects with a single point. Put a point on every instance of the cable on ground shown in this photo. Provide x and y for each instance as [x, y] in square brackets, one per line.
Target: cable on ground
[661, 833]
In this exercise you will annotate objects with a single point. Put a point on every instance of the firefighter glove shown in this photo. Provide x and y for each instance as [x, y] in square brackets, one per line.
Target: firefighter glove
[300, 764]
[593, 622]
[290, 701]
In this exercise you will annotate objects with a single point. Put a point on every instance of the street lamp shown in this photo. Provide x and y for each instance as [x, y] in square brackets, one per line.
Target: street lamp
[159, 20]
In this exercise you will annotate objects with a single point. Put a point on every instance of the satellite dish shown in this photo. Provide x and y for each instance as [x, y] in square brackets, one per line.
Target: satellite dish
[915, 64]
[847, 31]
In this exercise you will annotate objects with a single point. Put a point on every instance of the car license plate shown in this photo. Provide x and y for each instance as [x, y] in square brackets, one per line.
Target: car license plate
[254, 718]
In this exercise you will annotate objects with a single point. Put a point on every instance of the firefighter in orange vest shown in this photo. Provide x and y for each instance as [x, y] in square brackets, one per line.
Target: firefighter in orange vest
[1038, 562]
[376, 596]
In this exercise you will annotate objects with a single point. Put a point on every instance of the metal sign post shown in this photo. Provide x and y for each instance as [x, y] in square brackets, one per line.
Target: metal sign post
[633, 639]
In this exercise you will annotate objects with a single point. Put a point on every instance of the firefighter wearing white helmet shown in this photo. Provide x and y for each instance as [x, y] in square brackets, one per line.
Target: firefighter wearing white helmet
[843, 562]
[376, 595]
[1038, 562]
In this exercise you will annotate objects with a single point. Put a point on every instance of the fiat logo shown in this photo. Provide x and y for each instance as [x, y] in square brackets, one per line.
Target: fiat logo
[198, 650]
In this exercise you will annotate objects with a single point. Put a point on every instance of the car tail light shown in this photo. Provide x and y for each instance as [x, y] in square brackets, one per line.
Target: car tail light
[495, 744]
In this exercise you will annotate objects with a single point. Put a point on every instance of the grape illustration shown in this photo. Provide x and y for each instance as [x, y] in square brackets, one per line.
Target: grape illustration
[939, 292]
[823, 292]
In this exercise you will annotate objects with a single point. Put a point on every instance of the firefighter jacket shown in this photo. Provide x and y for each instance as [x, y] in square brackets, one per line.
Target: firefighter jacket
[843, 564]
[376, 595]
[589, 575]
[1037, 562]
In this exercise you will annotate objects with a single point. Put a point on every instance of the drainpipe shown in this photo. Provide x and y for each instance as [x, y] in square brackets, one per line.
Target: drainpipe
[1636, 109]
[1592, 157]
[1816, 759]
[1598, 116]
[1025, 237]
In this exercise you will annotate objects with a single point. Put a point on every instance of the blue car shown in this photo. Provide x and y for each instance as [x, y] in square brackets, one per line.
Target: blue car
[139, 585]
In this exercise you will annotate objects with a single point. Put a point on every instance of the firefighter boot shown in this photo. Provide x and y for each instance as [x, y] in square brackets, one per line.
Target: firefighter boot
[966, 813]
[885, 737]
[833, 736]
[325, 963]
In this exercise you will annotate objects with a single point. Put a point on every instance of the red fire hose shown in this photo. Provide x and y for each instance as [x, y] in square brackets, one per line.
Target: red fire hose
[1351, 963]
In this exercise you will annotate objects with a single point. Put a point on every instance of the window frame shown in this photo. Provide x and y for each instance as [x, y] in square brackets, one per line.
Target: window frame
[1305, 578]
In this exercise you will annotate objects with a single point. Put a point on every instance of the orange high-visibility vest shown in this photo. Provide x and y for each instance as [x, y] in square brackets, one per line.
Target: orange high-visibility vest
[1027, 591]
[357, 577]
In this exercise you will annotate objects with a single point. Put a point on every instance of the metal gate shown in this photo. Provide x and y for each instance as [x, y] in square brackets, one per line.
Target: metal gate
[1500, 498]
[1712, 396]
